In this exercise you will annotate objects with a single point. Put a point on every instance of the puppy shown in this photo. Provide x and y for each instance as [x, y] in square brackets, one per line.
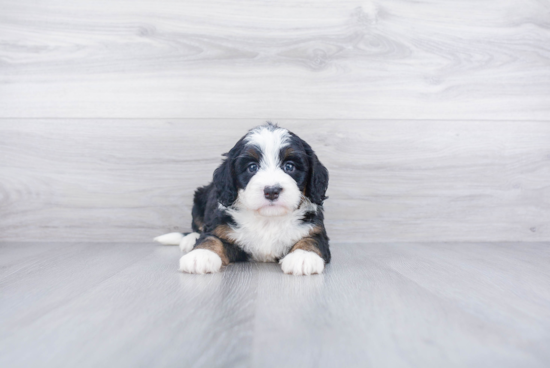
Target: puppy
[265, 204]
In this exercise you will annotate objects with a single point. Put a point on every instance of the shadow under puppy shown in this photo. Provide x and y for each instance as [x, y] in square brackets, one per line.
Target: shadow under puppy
[265, 204]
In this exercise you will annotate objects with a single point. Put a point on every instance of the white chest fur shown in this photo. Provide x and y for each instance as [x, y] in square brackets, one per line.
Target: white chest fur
[269, 238]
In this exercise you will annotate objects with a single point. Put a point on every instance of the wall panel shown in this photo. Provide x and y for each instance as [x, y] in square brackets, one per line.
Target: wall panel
[130, 180]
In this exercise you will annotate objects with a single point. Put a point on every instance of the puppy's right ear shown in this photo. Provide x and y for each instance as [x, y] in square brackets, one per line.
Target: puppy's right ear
[318, 178]
[224, 182]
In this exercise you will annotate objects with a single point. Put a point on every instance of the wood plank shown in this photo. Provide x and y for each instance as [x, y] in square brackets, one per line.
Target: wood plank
[393, 304]
[131, 180]
[19, 256]
[72, 271]
[145, 314]
[409, 305]
[276, 60]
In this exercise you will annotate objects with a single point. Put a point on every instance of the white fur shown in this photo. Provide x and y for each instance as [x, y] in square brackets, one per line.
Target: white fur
[200, 261]
[253, 197]
[188, 242]
[265, 229]
[270, 141]
[269, 238]
[268, 229]
[302, 262]
[169, 239]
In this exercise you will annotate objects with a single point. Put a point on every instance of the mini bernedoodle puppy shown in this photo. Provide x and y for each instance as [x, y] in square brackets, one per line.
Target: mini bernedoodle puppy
[265, 204]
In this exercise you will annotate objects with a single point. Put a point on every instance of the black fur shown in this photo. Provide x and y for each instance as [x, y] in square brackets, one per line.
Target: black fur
[322, 239]
[318, 179]
[224, 182]
[311, 177]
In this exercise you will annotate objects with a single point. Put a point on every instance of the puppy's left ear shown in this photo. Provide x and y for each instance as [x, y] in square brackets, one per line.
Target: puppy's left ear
[224, 182]
[318, 178]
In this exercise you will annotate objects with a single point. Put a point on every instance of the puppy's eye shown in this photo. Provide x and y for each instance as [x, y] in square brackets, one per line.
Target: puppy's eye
[289, 167]
[252, 167]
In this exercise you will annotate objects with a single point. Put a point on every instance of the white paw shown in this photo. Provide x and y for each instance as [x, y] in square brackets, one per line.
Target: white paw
[200, 261]
[302, 262]
[188, 242]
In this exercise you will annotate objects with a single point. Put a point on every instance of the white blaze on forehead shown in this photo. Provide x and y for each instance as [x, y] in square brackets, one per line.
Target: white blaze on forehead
[269, 141]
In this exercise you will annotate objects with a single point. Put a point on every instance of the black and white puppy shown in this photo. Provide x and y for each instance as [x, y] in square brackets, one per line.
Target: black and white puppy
[265, 204]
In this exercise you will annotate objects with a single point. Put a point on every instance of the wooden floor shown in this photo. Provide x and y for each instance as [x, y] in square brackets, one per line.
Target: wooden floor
[433, 118]
[377, 305]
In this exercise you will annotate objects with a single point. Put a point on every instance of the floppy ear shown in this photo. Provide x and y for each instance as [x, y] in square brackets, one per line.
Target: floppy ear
[224, 182]
[318, 178]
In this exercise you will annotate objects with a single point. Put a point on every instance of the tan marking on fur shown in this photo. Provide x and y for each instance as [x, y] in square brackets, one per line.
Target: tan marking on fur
[215, 245]
[316, 231]
[223, 232]
[253, 153]
[308, 244]
[288, 152]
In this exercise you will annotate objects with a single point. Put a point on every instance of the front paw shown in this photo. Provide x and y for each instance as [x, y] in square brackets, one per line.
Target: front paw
[200, 261]
[302, 262]
[188, 242]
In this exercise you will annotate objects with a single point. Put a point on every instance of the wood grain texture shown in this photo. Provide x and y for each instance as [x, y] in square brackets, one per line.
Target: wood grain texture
[352, 59]
[131, 180]
[408, 305]
[376, 305]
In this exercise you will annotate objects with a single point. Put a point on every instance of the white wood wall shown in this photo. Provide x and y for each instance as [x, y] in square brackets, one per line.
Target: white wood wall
[433, 117]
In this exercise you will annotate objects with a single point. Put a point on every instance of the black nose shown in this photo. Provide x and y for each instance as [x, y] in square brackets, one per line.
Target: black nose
[272, 193]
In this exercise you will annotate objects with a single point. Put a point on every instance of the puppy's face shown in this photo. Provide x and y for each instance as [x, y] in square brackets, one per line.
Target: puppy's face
[270, 170]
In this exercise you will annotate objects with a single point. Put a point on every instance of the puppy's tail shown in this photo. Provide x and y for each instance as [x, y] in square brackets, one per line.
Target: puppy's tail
[170, 238]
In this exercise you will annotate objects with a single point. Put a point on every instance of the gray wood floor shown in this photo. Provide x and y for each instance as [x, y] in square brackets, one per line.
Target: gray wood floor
[433, 118]
[377, 305]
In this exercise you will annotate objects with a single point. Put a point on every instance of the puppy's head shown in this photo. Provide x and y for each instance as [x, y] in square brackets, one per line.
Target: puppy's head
[269, 170]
